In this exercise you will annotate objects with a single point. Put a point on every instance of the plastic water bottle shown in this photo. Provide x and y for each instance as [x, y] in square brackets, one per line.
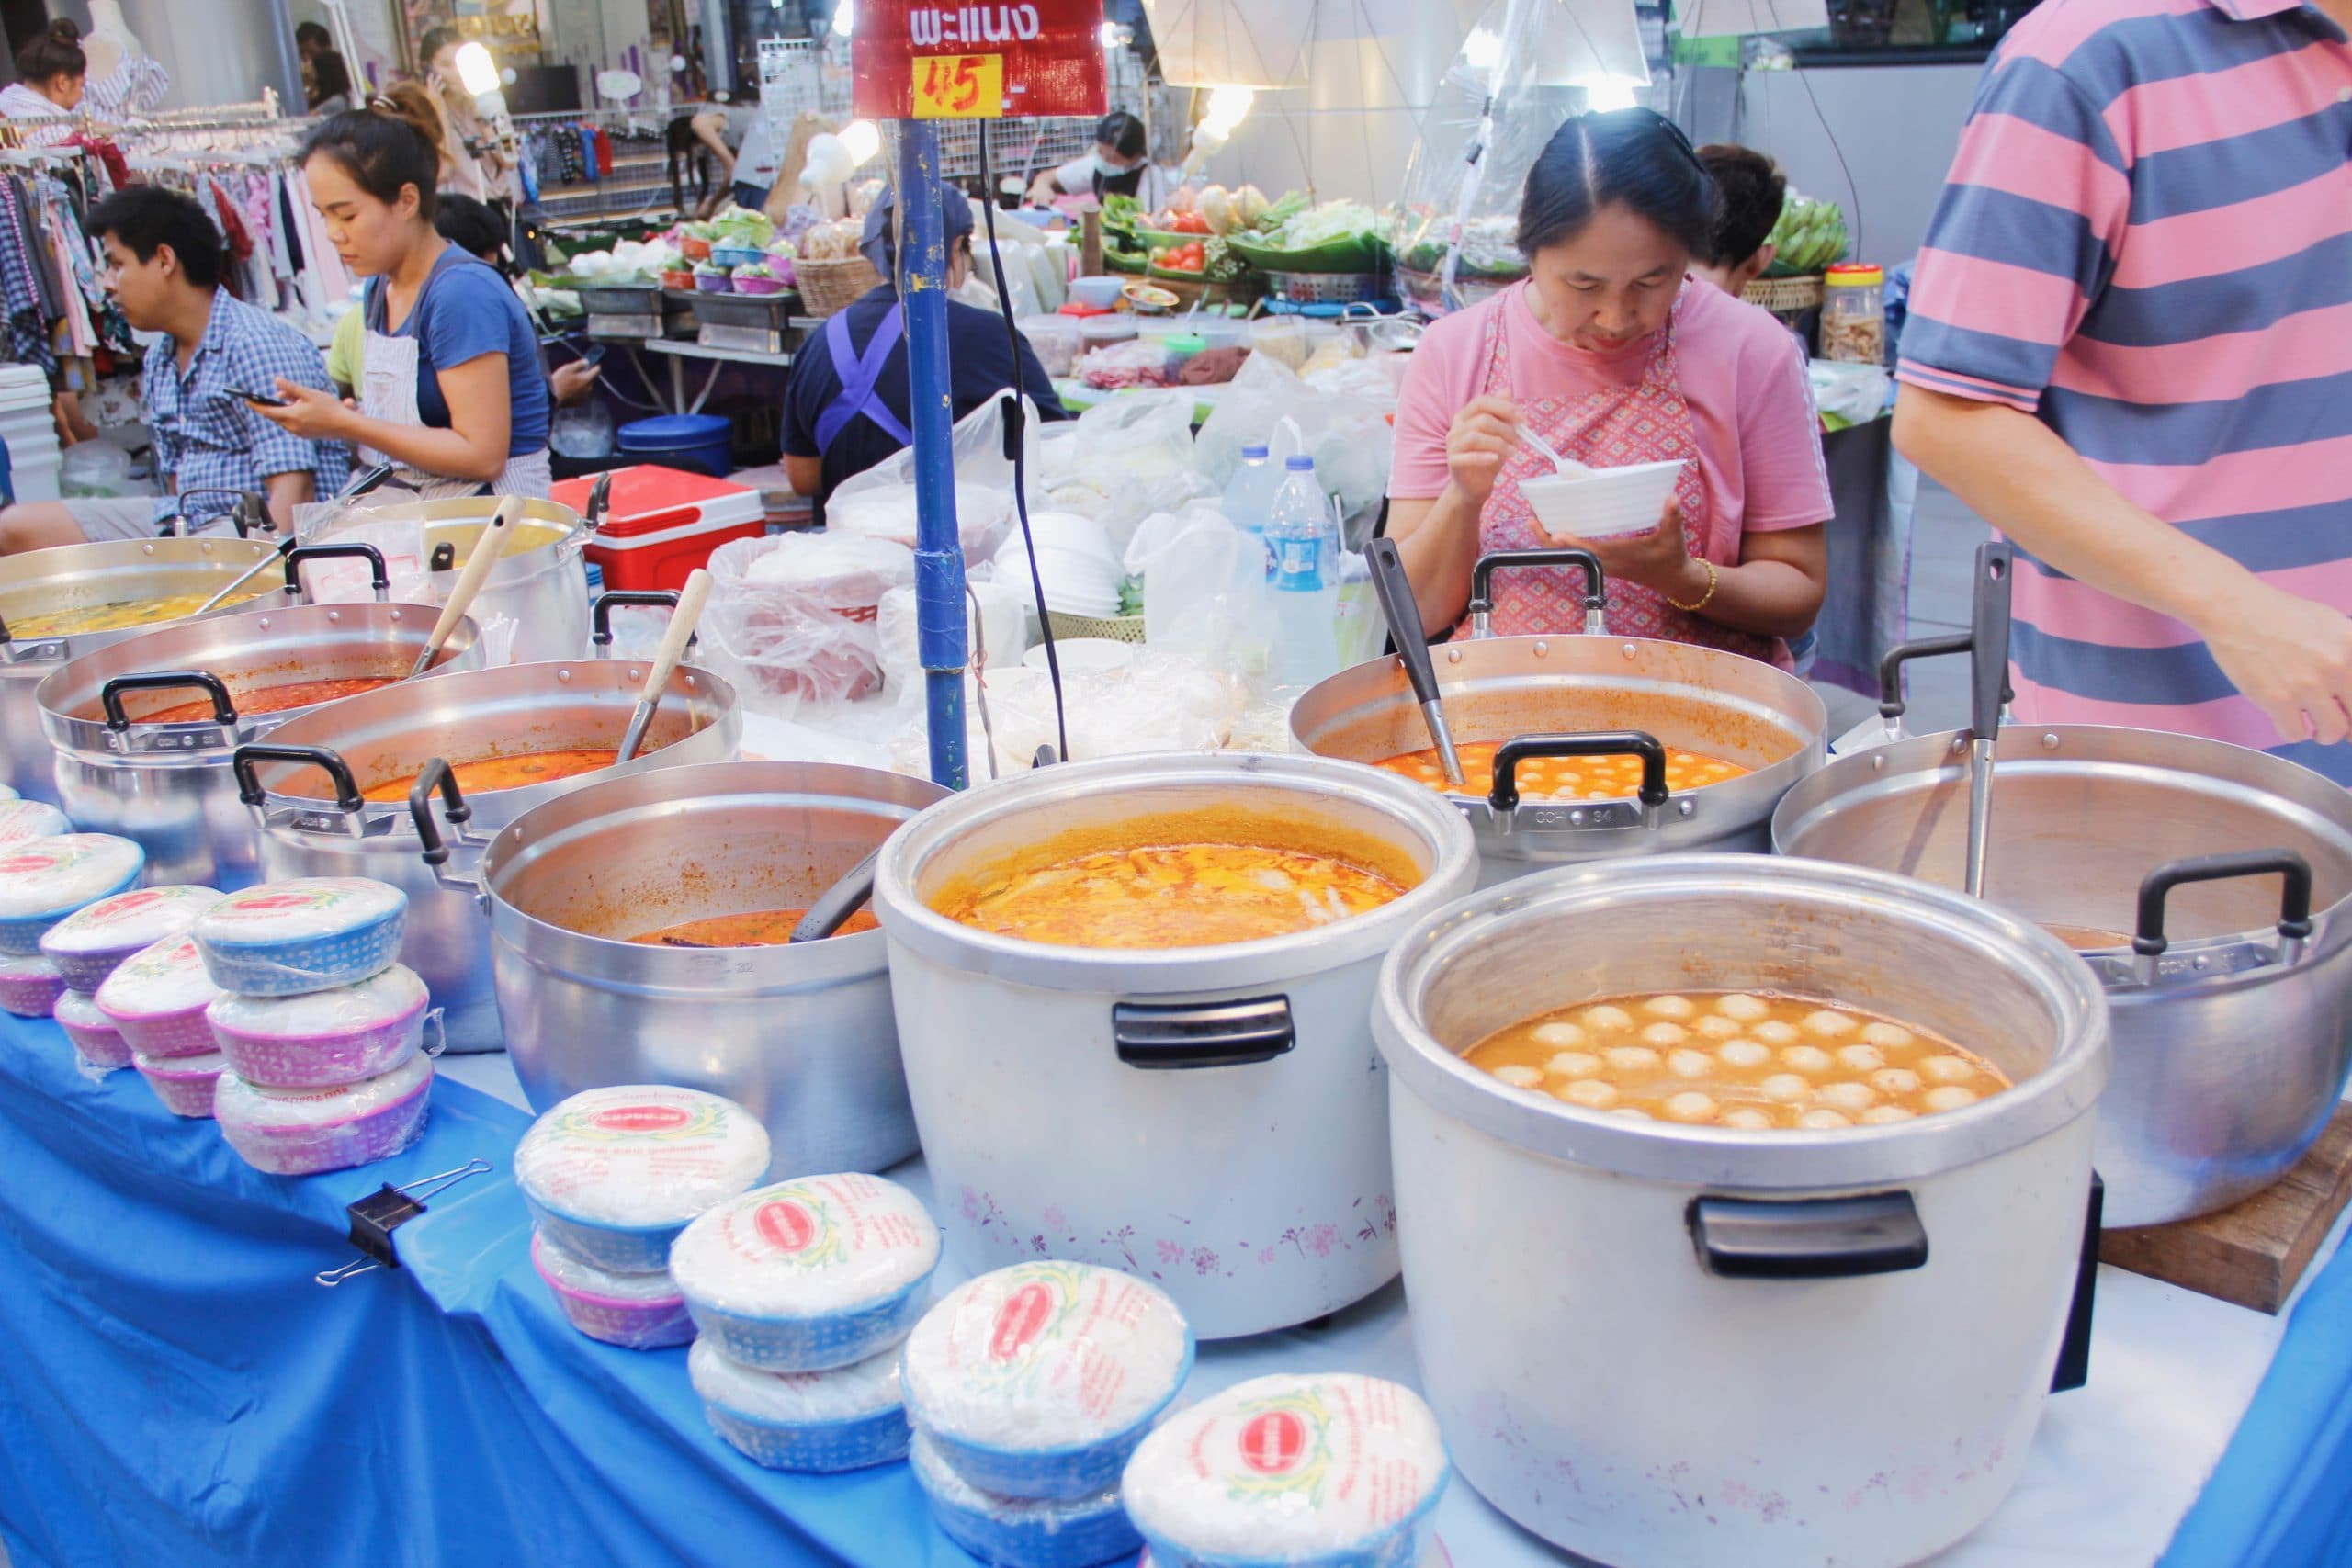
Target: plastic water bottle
[1250, 494]
[1307, 586]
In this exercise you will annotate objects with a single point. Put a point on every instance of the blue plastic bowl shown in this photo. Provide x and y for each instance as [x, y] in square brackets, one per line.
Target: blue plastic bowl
[813, 1344]
[737, 255]
[619, 1249]
[1079, 1469]
[1402, 1545]
[820, 1447]
[280, 966]
[20, 936]
[1011, 1533]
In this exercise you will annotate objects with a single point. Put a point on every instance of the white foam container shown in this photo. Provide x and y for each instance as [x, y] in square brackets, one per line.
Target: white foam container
[1603, 504]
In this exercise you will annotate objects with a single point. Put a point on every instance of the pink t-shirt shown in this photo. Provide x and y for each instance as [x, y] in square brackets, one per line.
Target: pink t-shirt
[1743, 375]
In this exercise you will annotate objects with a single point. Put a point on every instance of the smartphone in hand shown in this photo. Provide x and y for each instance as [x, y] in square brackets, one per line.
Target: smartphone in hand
[266, 399]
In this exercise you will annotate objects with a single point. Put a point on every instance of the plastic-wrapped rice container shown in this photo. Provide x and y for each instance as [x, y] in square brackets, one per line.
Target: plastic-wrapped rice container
[819, 1423]
[89, 943]
[818, 1272]
[1322, 1470]
[9, 793]
[44, 880]
[1038, 1381]
[613, 1175]
[157, 997]
[300, 1132]
[636, 1312]
[322, 1039]
[96, 1041]
[307, 933]
[29, 987]
[185, 1084]
[21, 820]
[1434, 1556]
[1013, 1532]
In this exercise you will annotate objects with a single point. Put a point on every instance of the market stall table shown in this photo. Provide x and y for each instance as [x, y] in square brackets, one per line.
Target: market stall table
[184, 1392]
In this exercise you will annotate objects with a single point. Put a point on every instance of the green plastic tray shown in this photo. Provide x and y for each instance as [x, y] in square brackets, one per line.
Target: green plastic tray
[1358, 254]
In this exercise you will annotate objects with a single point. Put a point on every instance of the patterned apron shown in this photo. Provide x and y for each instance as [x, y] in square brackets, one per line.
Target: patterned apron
[1648, 423]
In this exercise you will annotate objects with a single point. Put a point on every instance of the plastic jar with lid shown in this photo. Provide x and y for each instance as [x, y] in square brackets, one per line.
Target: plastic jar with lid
[1853, 314]
[1101, 332]
[1180, 349]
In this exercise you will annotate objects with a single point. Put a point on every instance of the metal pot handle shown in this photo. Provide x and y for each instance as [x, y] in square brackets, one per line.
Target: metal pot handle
[436, 774]
[600, 618]
[224, 713]
[2148, 942]
[347, 797]
[379, 579]
[1808, 1238]
[1181, 1035]
[1482, 584]
[1598, 743]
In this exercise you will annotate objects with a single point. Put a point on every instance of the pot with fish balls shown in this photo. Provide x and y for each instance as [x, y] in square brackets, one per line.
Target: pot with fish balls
[1841, 1335]
[581, 891]
[58, 605]
[2206, 884]
[1132, 997]
[1577, 748]
[142, 729]
[331, 789]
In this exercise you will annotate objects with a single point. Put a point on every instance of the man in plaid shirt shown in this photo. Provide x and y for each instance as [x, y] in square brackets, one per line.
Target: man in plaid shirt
[164, 260]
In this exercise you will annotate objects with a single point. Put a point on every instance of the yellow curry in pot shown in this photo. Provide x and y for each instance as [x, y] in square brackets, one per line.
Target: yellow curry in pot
[124, 614]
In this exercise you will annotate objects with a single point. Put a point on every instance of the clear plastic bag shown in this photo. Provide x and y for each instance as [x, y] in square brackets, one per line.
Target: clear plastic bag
[791, 619]
[1204, 589]
[880, 502]
[1349, 438]
[1123, 460]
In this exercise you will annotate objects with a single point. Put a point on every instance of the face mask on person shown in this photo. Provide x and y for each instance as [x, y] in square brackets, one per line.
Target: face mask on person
[1109, 170]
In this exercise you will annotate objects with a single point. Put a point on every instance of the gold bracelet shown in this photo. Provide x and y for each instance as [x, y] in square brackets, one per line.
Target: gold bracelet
[1714, 579]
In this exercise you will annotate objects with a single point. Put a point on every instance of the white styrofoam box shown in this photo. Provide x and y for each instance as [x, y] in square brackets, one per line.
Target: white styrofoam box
[1602, 503]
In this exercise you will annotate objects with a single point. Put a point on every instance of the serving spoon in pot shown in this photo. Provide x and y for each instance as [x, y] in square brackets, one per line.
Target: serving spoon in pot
[488, 548]
[1395, 591]
[285, 546]
[838, 903]
[691, 599]
[1989, 677]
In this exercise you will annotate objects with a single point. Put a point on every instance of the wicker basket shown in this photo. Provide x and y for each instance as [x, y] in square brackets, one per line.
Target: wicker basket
[827, 287]
[1787, 297]
[1329, 288]
[1117, 628]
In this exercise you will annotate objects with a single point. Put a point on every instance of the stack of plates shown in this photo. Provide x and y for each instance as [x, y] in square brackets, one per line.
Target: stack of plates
[1080, 569]
[28, 433]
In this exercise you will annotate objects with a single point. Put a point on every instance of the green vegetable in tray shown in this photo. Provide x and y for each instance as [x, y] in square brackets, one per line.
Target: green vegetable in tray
[1808, 236]
[1222, 264]
[1131, 597]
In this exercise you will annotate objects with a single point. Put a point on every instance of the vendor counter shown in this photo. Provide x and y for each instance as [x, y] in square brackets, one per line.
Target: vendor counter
[180, 1390]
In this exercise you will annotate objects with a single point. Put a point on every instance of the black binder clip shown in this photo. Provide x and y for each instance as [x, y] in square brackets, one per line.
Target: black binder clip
[375, 1217]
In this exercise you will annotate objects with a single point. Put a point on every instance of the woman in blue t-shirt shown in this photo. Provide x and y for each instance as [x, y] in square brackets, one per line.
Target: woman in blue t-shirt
[450, 391]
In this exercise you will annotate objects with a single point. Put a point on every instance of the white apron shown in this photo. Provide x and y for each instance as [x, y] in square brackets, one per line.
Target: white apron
[387, 391]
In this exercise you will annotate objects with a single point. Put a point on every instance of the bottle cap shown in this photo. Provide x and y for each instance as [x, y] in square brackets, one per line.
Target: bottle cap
[1299, 463]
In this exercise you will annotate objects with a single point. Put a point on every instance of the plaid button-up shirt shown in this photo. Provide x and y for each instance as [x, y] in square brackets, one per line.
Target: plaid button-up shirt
[206, 437]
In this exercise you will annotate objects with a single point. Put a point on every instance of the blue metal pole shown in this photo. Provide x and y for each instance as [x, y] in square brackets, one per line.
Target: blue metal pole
[939, 552]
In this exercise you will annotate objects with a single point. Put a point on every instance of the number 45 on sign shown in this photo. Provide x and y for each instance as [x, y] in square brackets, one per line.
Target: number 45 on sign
[959, 86]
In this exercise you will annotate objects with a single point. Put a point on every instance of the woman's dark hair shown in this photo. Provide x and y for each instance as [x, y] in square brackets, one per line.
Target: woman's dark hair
[146, 218]
[472, 226]
[1752, 191]
[313, 32]
[434, 41]
[394, 141]
[53, 53]
[1636, 156]
[1122, 132]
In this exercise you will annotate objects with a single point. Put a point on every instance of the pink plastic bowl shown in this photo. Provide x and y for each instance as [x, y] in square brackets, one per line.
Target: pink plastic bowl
[185, 1084]
[95, 1039]
[322, 1061]
[29, 987]
[761, 286]
[640, 1322]
[284, 1144]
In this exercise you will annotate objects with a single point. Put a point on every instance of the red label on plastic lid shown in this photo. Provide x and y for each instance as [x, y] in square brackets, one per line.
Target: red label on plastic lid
[642, 1119]
[786, 1226]
[1273, 1442]
[30, 860]
[1020, 1320]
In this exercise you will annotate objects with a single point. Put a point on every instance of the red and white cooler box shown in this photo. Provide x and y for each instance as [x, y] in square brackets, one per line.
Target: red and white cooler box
[662, 522]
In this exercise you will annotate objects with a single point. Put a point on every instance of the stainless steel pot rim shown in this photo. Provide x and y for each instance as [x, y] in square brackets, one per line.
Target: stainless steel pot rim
[908, 922]
[1727, 1159]
[29, 659]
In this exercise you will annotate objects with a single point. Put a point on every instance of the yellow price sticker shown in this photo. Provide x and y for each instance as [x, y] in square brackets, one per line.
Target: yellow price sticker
[959, 86]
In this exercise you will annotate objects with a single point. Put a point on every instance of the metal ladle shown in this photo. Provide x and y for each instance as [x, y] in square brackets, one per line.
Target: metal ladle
[351, 492]
[1395, 591]
[488, 547]
[1989, 676]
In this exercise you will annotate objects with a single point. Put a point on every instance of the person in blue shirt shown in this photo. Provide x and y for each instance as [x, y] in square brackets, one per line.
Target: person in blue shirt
[163, 261]
[845, 407]
[450, 391]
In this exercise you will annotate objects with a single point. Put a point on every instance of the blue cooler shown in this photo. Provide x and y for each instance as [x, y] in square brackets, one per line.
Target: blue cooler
[700, 441]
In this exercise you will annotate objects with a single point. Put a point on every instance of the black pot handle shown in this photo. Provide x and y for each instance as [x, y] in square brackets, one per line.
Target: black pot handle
[379, 579]
[600, 619]
[838, 903]
[2074, 1369]
[1203, 1034]
[436, 774]
[1808, 1238]
[2294, 904]
[1482, 583]
[1890, 668]
[1598, 743]
[248, 790]
[1989, 622]
[110, 694]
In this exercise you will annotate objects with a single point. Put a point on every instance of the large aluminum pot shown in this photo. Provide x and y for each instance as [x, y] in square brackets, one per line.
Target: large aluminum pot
[538, 584]
[304, 787]
[1839, 1341]
[2232, 1025]
[168, 786]
[801, 1035]
[1582, 694]
[1209, 1118]
[40, 583]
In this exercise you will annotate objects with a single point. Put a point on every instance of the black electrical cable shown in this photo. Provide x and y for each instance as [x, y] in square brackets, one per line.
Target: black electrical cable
[1017, 446]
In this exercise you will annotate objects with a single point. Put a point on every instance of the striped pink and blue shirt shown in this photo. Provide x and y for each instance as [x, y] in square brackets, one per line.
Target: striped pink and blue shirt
[2146, 240]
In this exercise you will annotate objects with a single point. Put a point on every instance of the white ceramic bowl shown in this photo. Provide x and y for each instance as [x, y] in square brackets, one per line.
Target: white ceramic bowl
[1602, 503]
[1103, 293]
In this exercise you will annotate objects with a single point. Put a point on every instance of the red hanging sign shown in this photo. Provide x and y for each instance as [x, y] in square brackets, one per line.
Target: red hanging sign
[938, 60]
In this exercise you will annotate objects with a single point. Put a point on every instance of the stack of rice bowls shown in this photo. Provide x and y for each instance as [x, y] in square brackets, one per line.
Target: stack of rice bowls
[46, 875]
[89, 945]
[804, 1293]
[316, 1029]
[612, 1178]
[1029, 1389]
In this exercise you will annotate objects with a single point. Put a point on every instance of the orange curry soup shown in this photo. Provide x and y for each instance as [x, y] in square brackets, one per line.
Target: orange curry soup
[759, 928]
[1564, 778]
[492, 773]
[272, 699]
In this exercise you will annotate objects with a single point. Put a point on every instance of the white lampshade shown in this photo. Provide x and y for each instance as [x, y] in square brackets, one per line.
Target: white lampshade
[1207, 43]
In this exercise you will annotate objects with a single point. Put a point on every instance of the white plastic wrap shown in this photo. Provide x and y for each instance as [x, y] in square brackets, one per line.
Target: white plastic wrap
[1158, 702]
[187, 1085]
[320, 1039]
[805, 1247]
[24, 819]
[53, 876]
[29, 984]
[89, 943]
[1046, 1356]
[1349, 438]
[1205, 592]
[573, 1272]
[344, 1009]
[887, 512]
[844, 1394]
[160, 986]
[99, 1045]
[640, 1154]
[1289, 1468]
[277, 1109]
[791, 619]
[997, 624]
[301, 1131]
[1123, 460]
[304, 934]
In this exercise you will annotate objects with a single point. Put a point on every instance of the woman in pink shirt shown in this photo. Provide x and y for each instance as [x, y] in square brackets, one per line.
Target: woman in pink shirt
[1613, 356]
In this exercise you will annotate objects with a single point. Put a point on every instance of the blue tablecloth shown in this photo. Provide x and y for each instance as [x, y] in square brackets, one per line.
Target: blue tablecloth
[176, 1390]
